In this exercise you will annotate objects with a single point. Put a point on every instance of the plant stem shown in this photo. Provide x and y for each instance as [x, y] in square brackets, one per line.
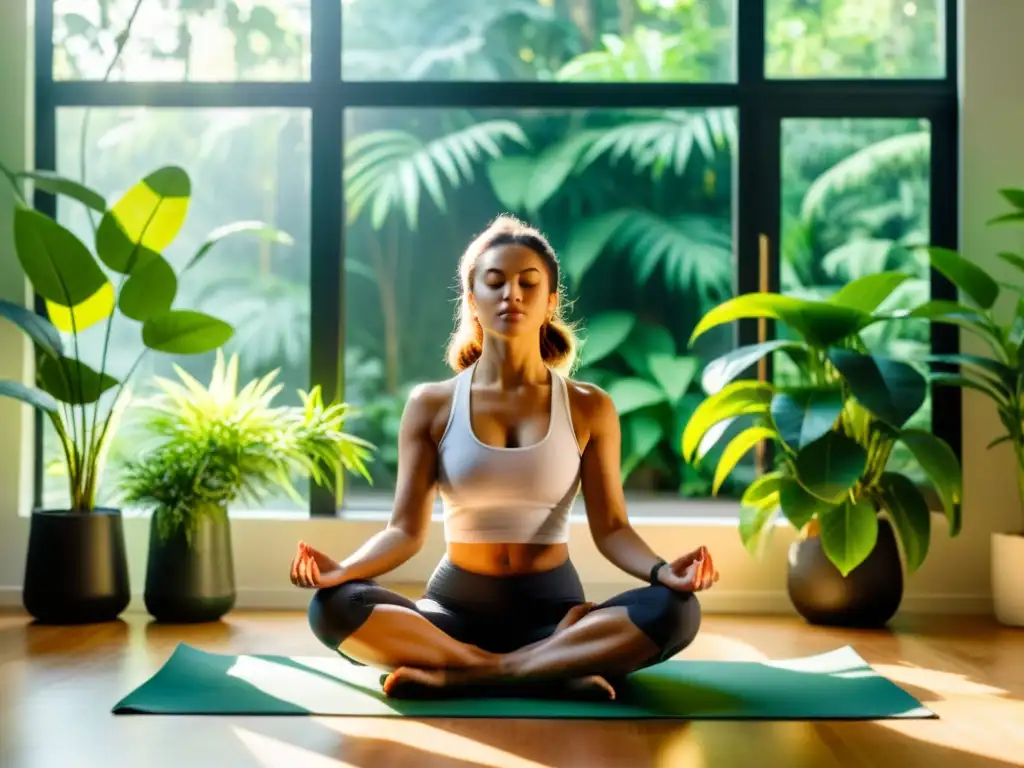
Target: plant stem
[122, 41]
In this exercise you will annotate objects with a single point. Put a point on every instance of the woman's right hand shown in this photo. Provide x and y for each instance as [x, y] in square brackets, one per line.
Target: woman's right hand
[313, 569]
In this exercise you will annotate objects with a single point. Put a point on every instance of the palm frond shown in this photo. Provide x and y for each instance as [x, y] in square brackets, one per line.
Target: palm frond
[665, 141]
[896, 157]
[693, 252]
[392, 169]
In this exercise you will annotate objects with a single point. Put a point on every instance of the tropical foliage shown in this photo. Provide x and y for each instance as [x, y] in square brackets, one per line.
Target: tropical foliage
[999, 376]
[833, 433]
[202, 448]
[135, 282]
[640, 203]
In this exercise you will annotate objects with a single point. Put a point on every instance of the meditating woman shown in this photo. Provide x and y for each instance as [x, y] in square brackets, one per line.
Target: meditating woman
[507, 442]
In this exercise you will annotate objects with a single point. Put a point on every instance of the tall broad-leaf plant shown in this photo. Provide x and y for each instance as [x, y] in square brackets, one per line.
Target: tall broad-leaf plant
[833, 433]
[998, 372]
[138, 283]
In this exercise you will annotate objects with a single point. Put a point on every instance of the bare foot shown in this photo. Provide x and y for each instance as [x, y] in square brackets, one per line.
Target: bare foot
[411, 682]
[592, 686]
[405, 681]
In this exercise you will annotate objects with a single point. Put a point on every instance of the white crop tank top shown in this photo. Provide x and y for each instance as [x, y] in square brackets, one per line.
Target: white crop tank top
[508, 495]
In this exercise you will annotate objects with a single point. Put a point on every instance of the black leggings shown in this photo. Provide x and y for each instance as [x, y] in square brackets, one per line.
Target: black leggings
[503, 613]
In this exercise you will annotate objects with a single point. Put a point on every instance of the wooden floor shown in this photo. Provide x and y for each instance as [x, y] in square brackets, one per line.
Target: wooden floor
[57, 686]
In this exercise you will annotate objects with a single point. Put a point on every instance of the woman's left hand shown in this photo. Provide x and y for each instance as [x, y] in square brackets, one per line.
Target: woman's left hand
[692, 572]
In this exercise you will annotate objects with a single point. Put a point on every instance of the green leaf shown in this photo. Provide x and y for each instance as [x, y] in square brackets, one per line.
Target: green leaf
[764, 491]
[57, 263]
[37, 398]
[804, 415]
[149, 291]
[738, 399]
[586, 241]
[48, 181]
[756, 524]
[904, 505]
[984, 386]
[848, 534]
[145, 220]
[72, 381]
[83, 315]
[831, 465]
[37, 327]
[632, 394]
[1012, 258]
[953, 313]
[891, 390]
[641, 434]
[184, 332]
[942, 468]
[510, 180]
[722, 370]
[868, 292]
[605, 332]
[1014, 197]
[644, 340]
[736, 450]
[998, 440]
[554, 165]
[799, 506]
[965, 275]
[673, 374]
[997, 372]
[820, 323]
[262, 230]
[1007, 218]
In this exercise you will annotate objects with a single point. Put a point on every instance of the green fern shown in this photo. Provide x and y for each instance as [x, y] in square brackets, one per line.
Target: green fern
[388, 169]
[897, 157]
[664, 141]
[693, 253]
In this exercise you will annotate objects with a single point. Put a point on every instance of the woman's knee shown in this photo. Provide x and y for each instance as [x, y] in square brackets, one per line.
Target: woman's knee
[337, 612]
[669, 618]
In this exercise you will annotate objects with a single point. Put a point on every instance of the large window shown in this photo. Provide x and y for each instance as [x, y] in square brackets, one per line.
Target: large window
[664, 146]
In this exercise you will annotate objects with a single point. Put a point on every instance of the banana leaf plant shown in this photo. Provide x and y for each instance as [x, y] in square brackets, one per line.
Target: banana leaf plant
[1000, 374]
[78, 293]
[833, 433]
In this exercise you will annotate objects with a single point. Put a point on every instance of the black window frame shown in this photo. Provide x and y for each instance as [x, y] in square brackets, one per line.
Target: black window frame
[762, 103]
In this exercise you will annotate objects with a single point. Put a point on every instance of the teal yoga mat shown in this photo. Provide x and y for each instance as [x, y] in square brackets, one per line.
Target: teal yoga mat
[834, 685]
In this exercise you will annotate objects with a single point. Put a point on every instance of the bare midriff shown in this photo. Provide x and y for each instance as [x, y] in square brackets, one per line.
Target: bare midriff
[507, 559]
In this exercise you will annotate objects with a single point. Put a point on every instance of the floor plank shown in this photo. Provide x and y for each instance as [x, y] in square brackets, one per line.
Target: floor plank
[57, 685]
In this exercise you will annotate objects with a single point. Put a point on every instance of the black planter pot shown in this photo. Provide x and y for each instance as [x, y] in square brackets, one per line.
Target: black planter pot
[76, 570]
[867, 598]
[189, 582]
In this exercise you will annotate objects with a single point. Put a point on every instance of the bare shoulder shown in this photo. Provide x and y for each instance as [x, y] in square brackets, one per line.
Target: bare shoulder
[593, 409]
[429, 405]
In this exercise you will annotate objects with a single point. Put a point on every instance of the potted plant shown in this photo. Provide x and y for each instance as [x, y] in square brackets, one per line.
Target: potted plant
[76, 566]
[203, 449]
[832, 436]
[999, 376]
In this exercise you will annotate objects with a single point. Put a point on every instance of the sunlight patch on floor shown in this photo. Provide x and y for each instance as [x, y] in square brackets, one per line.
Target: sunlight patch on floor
[941, 683]
[428, 738]
[715, 647]
[306, 687]
[274, 753]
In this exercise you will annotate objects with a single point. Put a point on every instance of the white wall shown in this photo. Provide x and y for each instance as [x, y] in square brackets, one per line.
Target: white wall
[956, 575]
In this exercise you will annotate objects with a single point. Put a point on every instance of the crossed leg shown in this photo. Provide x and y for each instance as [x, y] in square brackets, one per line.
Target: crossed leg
[375, 626]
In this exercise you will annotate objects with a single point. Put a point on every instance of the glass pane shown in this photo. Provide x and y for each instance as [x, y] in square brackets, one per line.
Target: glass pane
[855, 38]
[855, 199]
[244, 165]
[640, 207]
[181, 40]
[581, 40]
